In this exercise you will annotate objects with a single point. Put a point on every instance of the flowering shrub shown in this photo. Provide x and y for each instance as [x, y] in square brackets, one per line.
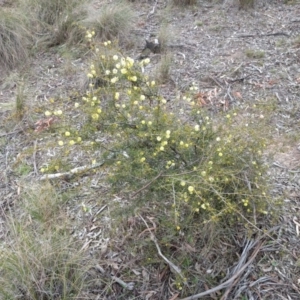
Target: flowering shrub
[194, 168]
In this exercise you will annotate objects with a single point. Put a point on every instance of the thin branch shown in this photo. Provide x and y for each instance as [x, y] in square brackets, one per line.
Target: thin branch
[179, 154]
[171, 265]
[10, 133]
[153, 10]
[129, 286]
[215, 81]
[249, 245]
[275, 164]
[262, 35]
[228, 93]
[145, 186]
[34, 158]
[101, 210]
[231, 280]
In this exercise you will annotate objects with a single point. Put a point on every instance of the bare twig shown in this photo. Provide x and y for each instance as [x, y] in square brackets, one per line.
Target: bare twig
[129, 286]
[153, 10]
[231, 280]
[171, 265]
[100, 210]
[34, 160]
[297, 225]
[228, 93]
[10, 133]
[178, 154]
[215, 81]
[262, 35]
[256, 68]
[238, 79]
[145, 186]
[228, 290]
[275, 164]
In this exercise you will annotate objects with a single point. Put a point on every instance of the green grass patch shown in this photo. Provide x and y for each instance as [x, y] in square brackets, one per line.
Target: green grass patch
[256, 54]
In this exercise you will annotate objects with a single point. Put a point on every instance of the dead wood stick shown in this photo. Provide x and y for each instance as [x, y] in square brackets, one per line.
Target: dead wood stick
[215, 81]
[249, 245]
[34, 158]
[262, 35]
[231, 280]
[172, 266]
[224, 297]
[76, 171]
[72, 172]
[129, 286]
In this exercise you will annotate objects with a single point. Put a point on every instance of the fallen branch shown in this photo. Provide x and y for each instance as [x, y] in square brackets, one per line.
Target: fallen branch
[243, 258]
[228, 283]
[75, 171]
[71, 173]
[129, 286]
[172, 266]
[262, 35]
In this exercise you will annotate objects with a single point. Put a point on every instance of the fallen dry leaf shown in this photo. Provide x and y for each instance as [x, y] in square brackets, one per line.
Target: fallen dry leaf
[189, 248]
[272, 81]
[200, 99]
[44, 124]
[238, 95]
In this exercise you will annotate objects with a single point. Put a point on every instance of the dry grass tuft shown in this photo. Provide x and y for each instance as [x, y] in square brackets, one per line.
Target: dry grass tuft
[44, 205]
[20, 101]
[40, 261]
[296, 41]
[113, 21]
[163, 69]
[50, 12]
[40, 267]
[164, 37]
[14, 40]
[56, 22]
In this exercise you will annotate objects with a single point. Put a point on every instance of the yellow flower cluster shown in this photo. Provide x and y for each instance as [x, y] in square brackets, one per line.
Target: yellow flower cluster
[170, 164]
[107, 43]
[55, 113]
[72, 142]
[89, 35]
